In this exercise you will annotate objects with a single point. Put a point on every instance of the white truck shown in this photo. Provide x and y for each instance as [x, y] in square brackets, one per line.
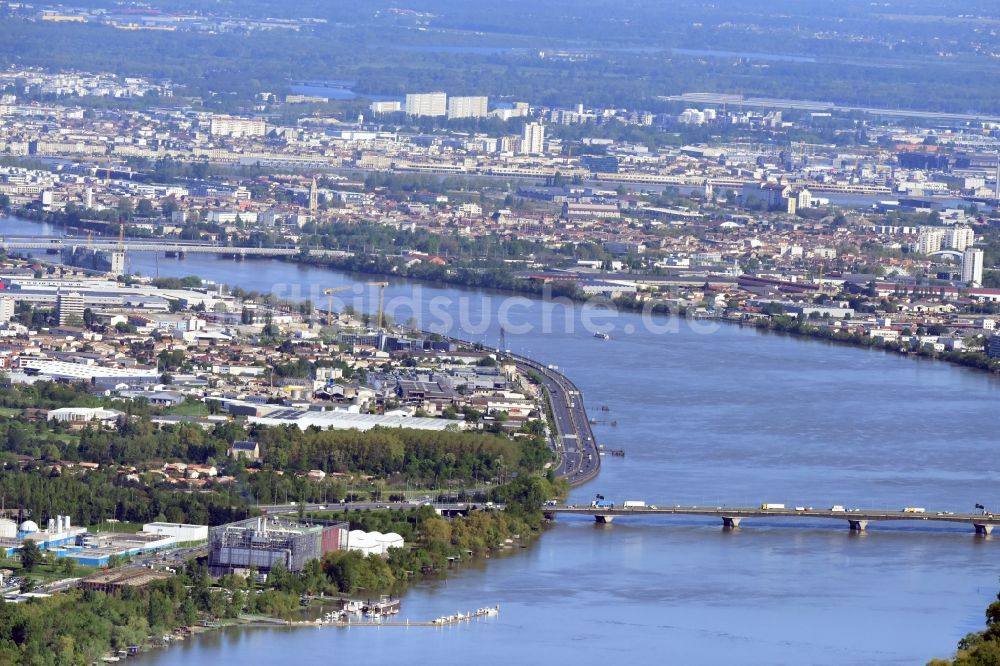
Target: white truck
[771, 505]
[839, 508]
[634, 504]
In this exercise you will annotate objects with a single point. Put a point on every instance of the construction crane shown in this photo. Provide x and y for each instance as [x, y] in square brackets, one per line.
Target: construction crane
[329, 302]
[381, 300]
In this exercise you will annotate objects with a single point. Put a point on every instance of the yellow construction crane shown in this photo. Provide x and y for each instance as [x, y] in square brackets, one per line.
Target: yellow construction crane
[329, 302]
[381, 300]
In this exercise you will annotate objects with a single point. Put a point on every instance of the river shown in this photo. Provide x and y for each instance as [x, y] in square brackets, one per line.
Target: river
[708, 415]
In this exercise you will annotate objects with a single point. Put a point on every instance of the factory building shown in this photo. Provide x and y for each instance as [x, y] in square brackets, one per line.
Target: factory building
[259, 544]
[62, 539]
[180, 532]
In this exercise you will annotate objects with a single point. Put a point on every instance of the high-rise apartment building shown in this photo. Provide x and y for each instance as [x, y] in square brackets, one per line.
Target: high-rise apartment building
[6, 309]
[433, 104]
[69, 307]
[972, 266]
[959, 238]
[468, 107]
[533, 139]
[930, 240]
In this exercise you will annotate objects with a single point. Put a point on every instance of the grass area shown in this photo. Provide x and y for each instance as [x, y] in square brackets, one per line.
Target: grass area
[67, 437]
[188, 408]
[49, 571]
[123, 527]
[10, 412]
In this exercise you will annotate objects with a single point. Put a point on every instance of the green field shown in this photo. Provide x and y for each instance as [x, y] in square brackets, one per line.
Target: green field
[189, 409]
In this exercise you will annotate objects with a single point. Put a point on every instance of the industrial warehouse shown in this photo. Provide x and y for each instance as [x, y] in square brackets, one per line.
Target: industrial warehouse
[259, 544]
[95, 549]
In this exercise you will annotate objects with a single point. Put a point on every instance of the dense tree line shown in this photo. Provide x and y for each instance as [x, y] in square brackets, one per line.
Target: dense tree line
[622, 56]
[375, 238]
[796, 326]
[393, 456]
[424, 455]
[473, 275]
[99, 495]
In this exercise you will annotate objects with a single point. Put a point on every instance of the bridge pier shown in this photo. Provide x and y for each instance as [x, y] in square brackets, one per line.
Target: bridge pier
[731, 522]
[604, 520]
[858, 525]
[984, 530]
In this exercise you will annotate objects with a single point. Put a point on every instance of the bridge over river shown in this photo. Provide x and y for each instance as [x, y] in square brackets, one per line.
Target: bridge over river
[857, 519]
[180, 248]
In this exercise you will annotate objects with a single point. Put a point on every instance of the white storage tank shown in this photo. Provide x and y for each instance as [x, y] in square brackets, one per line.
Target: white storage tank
[29, 527]
[8, 528]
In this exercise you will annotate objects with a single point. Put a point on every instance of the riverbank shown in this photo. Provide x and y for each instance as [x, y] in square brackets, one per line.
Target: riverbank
[508, 284]
[503, 282]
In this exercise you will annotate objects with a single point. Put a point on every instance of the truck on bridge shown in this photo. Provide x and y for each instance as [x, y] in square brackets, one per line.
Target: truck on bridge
[634, 504]
[602, 504]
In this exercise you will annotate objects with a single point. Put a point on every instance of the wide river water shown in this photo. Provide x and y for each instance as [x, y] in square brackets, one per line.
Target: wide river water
[708, 415]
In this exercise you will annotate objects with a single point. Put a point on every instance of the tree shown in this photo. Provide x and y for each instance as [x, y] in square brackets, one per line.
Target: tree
[145, 208]
[168, 206]
[125, 209]
[31, 555]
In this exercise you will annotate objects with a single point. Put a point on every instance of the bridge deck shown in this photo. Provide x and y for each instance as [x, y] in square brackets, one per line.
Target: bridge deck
[145, 246]
[853, 515]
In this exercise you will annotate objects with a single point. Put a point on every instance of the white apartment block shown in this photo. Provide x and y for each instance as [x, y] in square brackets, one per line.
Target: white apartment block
[380, 108]
[6, 309]
[930, 241]
[972, 267]
[237, 127]
[433, 104]
[468, 107]
[533, 139]
[959, 238]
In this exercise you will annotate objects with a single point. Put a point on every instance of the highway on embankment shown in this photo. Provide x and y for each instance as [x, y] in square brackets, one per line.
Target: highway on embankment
[573, 439]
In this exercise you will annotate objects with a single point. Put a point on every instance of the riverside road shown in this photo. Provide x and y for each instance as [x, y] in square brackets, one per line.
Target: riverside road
[579, 458]
[573, 440]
